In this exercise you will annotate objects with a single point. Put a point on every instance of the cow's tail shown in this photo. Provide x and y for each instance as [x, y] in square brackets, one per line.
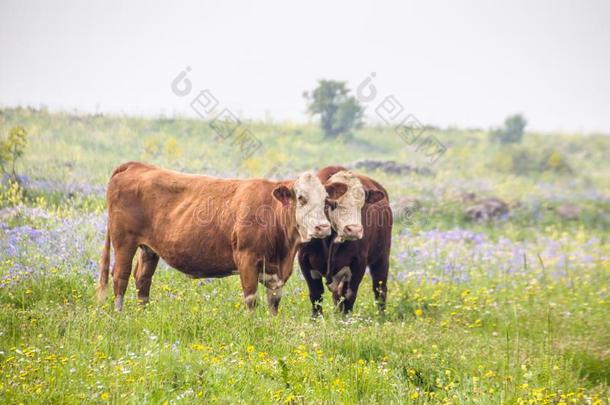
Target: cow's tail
[102, 287]
[104, 265]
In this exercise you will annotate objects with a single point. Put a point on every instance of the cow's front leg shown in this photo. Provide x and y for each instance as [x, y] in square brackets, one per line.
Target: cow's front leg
[351, 288]
[337, 284]
[344, 286]
[248, 274]
[314, 284]
[273, 299]
[274, 284]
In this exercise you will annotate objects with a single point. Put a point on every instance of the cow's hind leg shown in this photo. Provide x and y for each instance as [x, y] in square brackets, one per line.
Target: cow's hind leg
[124, 252]
[379, 275]
[145, 269]
[248, 275]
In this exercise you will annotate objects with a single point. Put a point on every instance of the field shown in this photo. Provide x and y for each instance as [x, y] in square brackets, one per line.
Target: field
[511, 310]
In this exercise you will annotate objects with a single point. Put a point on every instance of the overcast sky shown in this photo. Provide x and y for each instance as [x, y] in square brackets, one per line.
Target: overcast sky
[448, 62]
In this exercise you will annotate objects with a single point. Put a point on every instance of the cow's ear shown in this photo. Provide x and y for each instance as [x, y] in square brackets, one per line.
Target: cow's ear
[335, 190]
[283, 194]
[372, 196]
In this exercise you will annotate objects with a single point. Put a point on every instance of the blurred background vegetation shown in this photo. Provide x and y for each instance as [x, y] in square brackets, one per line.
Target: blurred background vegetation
[541, 178]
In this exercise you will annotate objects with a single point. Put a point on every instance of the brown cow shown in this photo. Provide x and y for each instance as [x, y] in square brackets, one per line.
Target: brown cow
[209, 227]
[343, 258]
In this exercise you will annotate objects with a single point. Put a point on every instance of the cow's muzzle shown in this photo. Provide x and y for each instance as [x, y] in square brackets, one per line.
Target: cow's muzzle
[352, 232]
[321, 231]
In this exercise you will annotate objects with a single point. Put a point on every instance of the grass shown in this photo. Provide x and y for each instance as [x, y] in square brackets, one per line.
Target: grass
[195, 340]
[512, 311]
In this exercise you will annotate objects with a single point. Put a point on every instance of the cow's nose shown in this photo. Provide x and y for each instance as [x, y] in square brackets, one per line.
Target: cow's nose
[323, 229]
[353, 231]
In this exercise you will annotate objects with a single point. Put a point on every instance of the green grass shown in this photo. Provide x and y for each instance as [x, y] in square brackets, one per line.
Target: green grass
[513, 311]
[442, 342]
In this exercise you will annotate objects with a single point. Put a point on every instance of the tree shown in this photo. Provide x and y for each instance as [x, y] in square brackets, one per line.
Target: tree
[11, 149]
[339, 112]
[512, 132]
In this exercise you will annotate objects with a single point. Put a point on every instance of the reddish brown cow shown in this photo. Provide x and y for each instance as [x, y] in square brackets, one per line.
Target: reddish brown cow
[342, 258]
[209, 227]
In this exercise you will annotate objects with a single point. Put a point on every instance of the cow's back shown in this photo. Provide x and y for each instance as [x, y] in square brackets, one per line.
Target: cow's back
[184, 218]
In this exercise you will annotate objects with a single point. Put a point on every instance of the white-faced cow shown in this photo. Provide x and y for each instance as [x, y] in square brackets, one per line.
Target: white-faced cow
[357, 242]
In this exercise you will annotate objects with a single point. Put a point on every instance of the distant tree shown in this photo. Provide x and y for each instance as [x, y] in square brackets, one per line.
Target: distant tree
[339, 112]
[11, 149]
[512, 132]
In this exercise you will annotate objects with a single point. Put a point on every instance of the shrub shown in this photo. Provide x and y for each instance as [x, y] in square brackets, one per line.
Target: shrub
[524, 161]
[512, 132]
[11, 149]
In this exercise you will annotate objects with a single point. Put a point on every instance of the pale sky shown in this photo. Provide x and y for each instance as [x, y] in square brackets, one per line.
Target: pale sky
[468, 63]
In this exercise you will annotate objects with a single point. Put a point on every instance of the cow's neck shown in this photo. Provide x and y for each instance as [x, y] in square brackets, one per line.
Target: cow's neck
[288, 240]
[291, 231]
[288, 220]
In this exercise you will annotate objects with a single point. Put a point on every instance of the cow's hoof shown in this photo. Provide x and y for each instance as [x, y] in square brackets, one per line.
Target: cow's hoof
[118, 303]
[250, 301]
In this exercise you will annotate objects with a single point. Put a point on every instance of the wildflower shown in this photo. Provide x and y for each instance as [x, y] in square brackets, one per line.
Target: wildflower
[197, 347]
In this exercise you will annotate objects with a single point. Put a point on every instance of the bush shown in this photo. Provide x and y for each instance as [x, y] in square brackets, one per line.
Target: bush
[11, 149]
[524, 161]
[512, 132]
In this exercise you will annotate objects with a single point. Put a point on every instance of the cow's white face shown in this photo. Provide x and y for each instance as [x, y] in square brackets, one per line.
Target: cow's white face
[309, 198]
[345, 213]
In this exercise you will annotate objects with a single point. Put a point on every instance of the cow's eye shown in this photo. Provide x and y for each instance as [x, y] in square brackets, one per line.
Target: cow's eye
[302, 200]
[331, 204]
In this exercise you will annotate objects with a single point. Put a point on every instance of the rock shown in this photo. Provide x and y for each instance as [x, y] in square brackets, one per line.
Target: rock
[486, 209]
[390, 166]
[466, 197]
[568, 211]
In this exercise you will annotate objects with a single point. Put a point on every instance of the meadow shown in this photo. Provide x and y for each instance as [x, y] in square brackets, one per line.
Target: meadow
[515, 310]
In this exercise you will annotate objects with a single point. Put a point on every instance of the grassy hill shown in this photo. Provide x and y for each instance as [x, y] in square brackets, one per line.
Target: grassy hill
[511, 310]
